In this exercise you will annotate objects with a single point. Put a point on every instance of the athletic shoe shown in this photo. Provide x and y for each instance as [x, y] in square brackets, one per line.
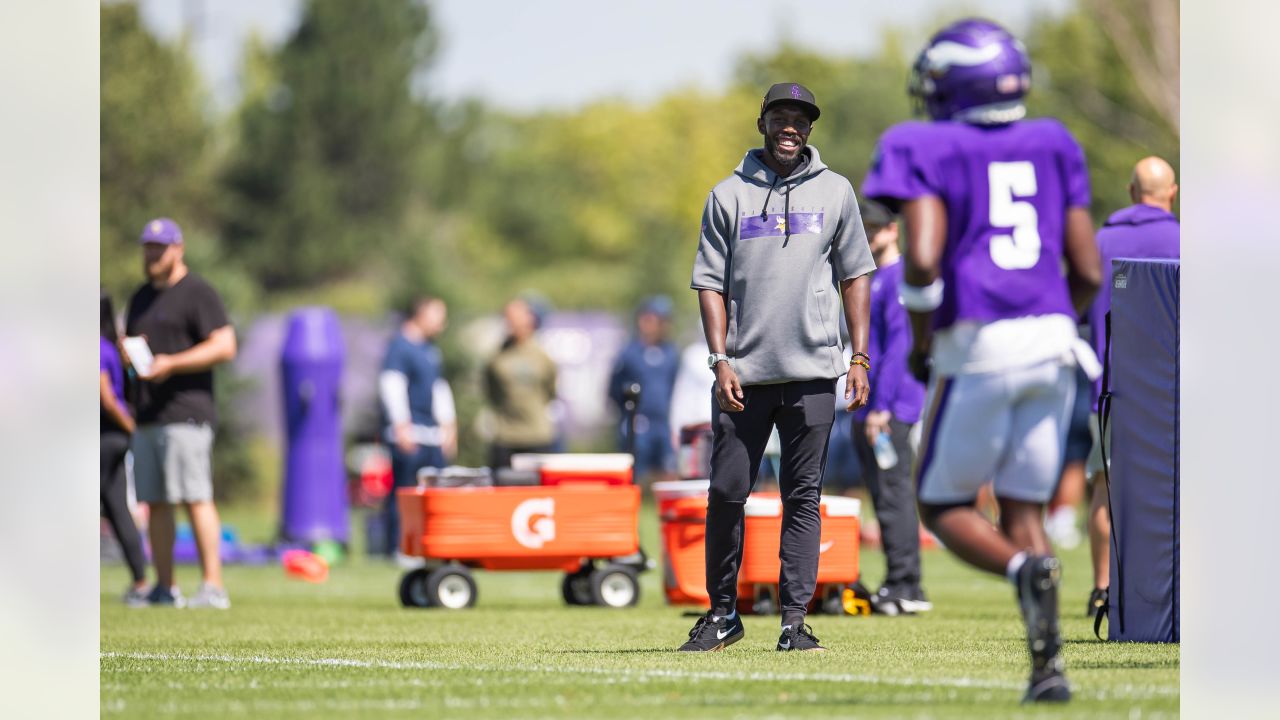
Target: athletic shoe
[913, 601]
[135, 598]
[1037, 583]
[209, 596]
[712, 633]
[798, 638]
[1097, 600]
[166, 597]
[887, 602]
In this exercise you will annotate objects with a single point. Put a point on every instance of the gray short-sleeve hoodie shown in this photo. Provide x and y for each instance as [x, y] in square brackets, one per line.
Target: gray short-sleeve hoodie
[777, 248]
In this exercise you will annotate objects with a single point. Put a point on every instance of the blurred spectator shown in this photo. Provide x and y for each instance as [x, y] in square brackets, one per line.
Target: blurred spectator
[651, 361]
[185, 324]
[1145, 229]
[115, 427]
[519, 387]
[418, 419]
[889, 418]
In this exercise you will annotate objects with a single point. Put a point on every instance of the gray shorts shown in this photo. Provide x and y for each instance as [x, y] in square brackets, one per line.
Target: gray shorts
[172, 463]
[1008, 427]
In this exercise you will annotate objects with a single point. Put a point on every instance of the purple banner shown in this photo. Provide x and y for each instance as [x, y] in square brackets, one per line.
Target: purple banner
[751, 226]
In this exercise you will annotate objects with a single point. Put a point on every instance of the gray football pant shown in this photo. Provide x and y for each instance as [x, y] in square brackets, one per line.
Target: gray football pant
[893, 493]
[803, 412]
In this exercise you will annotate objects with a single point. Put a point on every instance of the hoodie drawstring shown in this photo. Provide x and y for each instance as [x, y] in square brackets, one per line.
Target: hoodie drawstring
[764, 215]
[786, 222]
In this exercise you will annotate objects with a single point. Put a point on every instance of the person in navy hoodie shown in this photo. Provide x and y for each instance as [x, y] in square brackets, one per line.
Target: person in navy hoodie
[652, 361]
[1145, 229]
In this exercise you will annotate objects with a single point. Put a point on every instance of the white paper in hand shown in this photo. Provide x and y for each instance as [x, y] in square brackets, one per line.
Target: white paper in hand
[139, 354]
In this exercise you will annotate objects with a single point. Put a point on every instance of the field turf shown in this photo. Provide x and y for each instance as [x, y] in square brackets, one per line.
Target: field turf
[346, 649]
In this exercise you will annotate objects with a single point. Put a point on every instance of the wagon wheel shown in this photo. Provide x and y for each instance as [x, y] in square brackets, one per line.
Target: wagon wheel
[413, 589]
[451, 587]
[615, 586]
[576, 586]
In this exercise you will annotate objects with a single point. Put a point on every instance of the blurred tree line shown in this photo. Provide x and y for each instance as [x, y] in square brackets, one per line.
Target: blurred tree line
[340, 178]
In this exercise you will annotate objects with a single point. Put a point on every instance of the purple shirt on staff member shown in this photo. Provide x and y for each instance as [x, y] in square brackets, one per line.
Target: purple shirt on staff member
[1006, 189]
[109, 362]
[892, 386]
[1138, 231]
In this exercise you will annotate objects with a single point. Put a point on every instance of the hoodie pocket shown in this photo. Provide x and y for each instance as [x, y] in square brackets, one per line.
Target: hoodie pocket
[826, 324]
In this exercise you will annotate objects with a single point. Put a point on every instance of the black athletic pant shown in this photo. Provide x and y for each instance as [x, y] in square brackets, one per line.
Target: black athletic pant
[113, 494]
[803, 412]
[894, 495]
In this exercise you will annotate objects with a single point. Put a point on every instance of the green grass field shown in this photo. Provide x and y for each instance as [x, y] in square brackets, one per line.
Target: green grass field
[346, 649]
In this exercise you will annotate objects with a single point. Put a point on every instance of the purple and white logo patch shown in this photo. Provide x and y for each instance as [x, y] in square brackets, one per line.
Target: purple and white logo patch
[795, 92]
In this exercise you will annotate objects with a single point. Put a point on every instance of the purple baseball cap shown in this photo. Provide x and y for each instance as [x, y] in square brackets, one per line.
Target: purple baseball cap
[163, 231]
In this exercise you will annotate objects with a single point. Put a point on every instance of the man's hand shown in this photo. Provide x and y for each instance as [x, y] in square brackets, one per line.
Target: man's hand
[403, 433]
[728, 389]
[877, 422]
[162, 366]
[920, 365]
[856, 387]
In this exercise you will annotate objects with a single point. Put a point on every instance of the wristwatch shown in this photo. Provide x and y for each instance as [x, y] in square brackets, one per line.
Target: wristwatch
[715, 358]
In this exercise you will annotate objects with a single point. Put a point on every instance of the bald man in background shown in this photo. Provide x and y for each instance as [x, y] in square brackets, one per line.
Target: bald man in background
[1145, 229]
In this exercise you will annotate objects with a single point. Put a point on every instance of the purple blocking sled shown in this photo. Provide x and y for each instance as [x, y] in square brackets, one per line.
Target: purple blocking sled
[315, 496]
[1144, 451]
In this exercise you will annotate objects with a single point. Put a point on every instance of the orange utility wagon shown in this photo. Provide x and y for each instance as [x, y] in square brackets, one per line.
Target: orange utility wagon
[682, 511]
[587, 530]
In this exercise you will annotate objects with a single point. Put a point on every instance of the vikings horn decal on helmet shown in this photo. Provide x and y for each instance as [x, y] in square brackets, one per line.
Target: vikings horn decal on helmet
[971, 65]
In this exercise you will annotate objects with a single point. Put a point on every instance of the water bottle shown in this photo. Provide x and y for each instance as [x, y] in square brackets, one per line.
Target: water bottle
[886, 456]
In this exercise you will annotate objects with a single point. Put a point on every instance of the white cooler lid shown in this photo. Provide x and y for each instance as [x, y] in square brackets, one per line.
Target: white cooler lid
[762, 507]
[674, 489]
[528, 462]
[838, 506]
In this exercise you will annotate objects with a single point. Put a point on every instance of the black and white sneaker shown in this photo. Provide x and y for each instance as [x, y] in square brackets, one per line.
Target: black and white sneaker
[712, 633]
[915, 601]
[798, 638]
[1038, 599]
[900, 601]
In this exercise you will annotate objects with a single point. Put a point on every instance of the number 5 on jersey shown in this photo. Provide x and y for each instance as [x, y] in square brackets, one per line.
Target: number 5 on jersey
[1007, 181]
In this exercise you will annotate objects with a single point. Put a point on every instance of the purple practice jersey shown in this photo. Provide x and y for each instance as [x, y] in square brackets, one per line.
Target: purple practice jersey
[1006, 189]
[1138, 231]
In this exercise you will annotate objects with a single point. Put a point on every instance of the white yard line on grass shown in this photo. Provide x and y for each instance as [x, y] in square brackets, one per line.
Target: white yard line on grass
[626, 674]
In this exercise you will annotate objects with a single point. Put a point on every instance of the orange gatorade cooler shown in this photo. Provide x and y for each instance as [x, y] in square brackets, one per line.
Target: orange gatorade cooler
[838, 548]
[508, 528]
[682, 512]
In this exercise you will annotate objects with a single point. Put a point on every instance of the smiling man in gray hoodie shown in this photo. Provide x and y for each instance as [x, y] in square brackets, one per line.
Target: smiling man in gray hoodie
[782, 249]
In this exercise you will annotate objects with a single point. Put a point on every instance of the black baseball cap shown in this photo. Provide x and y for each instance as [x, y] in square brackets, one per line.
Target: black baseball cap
[874, 214]
[790, 93]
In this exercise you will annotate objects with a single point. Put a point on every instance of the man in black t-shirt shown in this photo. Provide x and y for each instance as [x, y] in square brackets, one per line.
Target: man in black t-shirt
[185, 324]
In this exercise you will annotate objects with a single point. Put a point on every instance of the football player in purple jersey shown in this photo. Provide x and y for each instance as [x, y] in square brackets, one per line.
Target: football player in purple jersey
[993, 205]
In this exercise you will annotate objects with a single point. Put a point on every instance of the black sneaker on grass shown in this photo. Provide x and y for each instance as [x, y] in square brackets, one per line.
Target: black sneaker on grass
[712, 633]
[1038, 599]
[166, 597]
[798, 638]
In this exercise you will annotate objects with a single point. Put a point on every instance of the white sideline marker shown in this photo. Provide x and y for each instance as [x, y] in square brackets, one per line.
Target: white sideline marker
[1128, 691]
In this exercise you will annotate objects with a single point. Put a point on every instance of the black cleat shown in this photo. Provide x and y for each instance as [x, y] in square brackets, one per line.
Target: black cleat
[712, 633]
[1038, 599]
[798, 638]
[1097, 600]
[1049, 687]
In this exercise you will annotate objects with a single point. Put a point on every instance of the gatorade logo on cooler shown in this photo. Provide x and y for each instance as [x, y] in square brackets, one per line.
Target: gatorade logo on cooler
[533, 523]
